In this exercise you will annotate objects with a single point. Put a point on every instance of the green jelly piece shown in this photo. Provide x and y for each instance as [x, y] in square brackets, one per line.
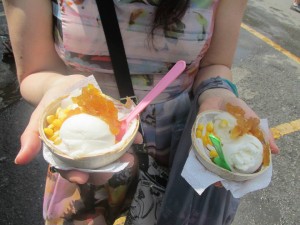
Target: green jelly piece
[221, 163]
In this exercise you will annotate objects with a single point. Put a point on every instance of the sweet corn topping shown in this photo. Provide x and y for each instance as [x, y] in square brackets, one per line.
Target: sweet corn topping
[51, 126]
[213, 154]
[200, 127]
[198, 134]
[57, 123]
[205, 140]
[54, 136]
[50, 119]
[48, 131]
[209, 127]
[209, 130]
[208, 139]
[223, 123]
[57, 141]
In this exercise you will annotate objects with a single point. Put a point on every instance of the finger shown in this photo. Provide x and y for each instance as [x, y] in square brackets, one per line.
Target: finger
[128, 158]
[30, 140]
[218, 184]
[138, 138]
[30, 147]
[80, 177]
[273, 145]
[102, 178]
[74, 176]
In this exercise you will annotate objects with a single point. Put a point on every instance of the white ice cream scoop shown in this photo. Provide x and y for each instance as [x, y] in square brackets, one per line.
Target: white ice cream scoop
[244, 155]
[83, 133]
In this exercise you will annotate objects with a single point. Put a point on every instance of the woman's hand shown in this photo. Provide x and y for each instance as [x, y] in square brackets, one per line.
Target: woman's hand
[215, 99]
[30, 140]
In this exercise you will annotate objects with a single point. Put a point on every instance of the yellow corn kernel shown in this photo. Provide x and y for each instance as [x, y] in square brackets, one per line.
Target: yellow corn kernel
[90, 87]
[48, 132]
[200, 127]
[208, 139]
[204, 140]
[198, 133]
[57, 123]
[57, 141]
[55, 129]
[224, 123]
[50, 119]
[209, 127]
[58, 111]
[51, 126]
[63, 114]
[213, 154]
[54, 136]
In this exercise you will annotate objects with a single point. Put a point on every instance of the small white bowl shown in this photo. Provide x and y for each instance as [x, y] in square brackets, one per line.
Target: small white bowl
[202, 153]
[97, 159]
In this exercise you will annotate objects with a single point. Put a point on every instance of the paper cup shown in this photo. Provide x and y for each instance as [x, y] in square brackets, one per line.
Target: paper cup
[96, 159]
[202, 153]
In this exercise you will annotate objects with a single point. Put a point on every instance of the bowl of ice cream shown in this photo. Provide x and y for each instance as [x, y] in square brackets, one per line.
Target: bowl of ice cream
[244, 145]
[81, 129]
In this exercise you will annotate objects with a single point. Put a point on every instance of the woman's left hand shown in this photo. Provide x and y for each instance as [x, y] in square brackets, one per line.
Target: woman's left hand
[215, 99]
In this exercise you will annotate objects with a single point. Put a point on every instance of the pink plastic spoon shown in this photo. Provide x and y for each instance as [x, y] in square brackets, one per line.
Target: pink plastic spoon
[174, 72]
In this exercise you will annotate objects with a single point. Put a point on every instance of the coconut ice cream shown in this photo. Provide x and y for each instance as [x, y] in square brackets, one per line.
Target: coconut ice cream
[84, 133]
[244, 155]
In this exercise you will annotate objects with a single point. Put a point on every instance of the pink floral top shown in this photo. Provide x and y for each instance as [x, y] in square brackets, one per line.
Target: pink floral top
[81, 43]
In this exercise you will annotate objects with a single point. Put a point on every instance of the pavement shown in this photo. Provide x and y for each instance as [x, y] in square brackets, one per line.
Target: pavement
[267, 72]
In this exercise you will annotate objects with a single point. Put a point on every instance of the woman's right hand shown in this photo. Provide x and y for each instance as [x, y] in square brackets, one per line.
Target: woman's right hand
[30, 140]
[31, 143]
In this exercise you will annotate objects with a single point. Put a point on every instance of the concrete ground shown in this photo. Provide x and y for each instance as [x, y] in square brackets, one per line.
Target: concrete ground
[268, 78]
[269, 81]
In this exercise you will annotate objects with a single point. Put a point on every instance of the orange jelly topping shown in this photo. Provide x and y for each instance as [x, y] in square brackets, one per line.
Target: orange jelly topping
[93, 102]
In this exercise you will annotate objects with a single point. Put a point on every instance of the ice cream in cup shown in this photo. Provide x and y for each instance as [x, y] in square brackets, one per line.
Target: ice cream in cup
[80, 129]
[244, 146]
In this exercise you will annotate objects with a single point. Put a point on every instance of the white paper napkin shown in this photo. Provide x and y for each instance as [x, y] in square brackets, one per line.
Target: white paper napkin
[200, 178]
[57, 163]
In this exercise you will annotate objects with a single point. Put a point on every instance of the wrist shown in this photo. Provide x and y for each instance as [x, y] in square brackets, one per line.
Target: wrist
[215, 95]
[34, 87]
[215, 83]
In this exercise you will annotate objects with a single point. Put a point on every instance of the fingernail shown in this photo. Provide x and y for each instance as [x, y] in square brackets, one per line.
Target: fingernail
[72, 180]
[76, 180]
[18, 157]
[17, 160]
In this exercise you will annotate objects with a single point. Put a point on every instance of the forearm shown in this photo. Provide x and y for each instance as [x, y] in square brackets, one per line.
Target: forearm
[34, 86]
[219, 57]
[38, 66]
